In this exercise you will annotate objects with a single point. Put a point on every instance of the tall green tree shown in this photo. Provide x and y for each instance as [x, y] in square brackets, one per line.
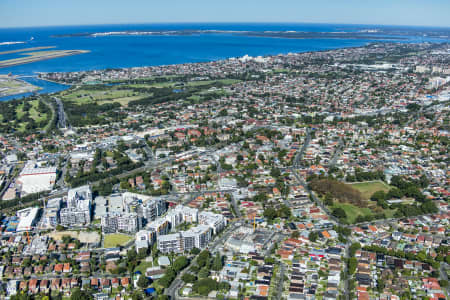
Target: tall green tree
[143, 282]
[217, 263]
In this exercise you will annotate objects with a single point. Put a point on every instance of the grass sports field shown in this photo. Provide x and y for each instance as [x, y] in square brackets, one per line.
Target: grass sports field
[124, 93]
[108, 95]
[353, 211]
[116, 239]
[368, 188]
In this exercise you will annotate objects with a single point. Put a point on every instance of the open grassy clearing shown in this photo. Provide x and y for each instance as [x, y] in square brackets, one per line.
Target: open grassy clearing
[19, 111]
[131, 92]
[151, 78]
[353, 211]
[354, 199]
[116, 239]
[82, 94]
[206, 82]
[143, 266]
[83, 237]
[33, 113]
[150, 85]
[195, 98]
[368, 188]
[107, 95]
[123, 101]
[281, 71]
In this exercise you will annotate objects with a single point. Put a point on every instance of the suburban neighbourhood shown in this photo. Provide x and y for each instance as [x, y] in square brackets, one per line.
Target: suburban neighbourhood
[318, 175]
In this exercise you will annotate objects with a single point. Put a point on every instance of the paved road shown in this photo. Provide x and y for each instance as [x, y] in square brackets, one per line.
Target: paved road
[172, 290]
[235, 206]
[61, 183]
[220, 240]
[273, 241]
[7, 183]
[299, 179]
[280, 282]
[299, 155]
[177, 284]
[62, 118]
[346, 255]
[443, 276]
[337, 153]
[317, 201]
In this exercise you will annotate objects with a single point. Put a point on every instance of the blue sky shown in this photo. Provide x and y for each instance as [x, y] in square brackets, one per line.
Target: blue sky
[23, 13]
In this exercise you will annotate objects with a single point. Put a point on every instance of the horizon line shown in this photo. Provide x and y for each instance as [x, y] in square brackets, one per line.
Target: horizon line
[225, 22]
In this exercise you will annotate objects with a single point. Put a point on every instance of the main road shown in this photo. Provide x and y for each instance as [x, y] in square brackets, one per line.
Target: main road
[301, 181]
[61, 114]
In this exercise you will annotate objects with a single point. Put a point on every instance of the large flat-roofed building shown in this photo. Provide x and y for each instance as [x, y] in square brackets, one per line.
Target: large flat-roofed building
[144, 239]
[170, 243]
[174, 217]
[80, 197]
[226, 183]
[120, 222]
[100, 207]
[127, 223]
[246, 240]
[115, 204]
[148, 207]
[78, 210]
[76, 157]
[73, 217]
[154, 208]
[159, 226]
[34, 179]
[27, 218]
[216, 221]
[196, 237]
[51, 213]
[181, 214]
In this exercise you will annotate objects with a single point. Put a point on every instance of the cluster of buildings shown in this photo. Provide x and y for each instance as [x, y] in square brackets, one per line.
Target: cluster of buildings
[79, 207]
[229, 156]
[204, 226]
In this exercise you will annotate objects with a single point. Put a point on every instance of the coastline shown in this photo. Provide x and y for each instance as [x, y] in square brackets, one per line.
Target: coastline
[13, 85]
[289, 34]
[217, 43]
[193, 63]
[49, 80]
[40, 89]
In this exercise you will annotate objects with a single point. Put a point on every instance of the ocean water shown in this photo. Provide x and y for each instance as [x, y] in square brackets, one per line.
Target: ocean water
[134, 51]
